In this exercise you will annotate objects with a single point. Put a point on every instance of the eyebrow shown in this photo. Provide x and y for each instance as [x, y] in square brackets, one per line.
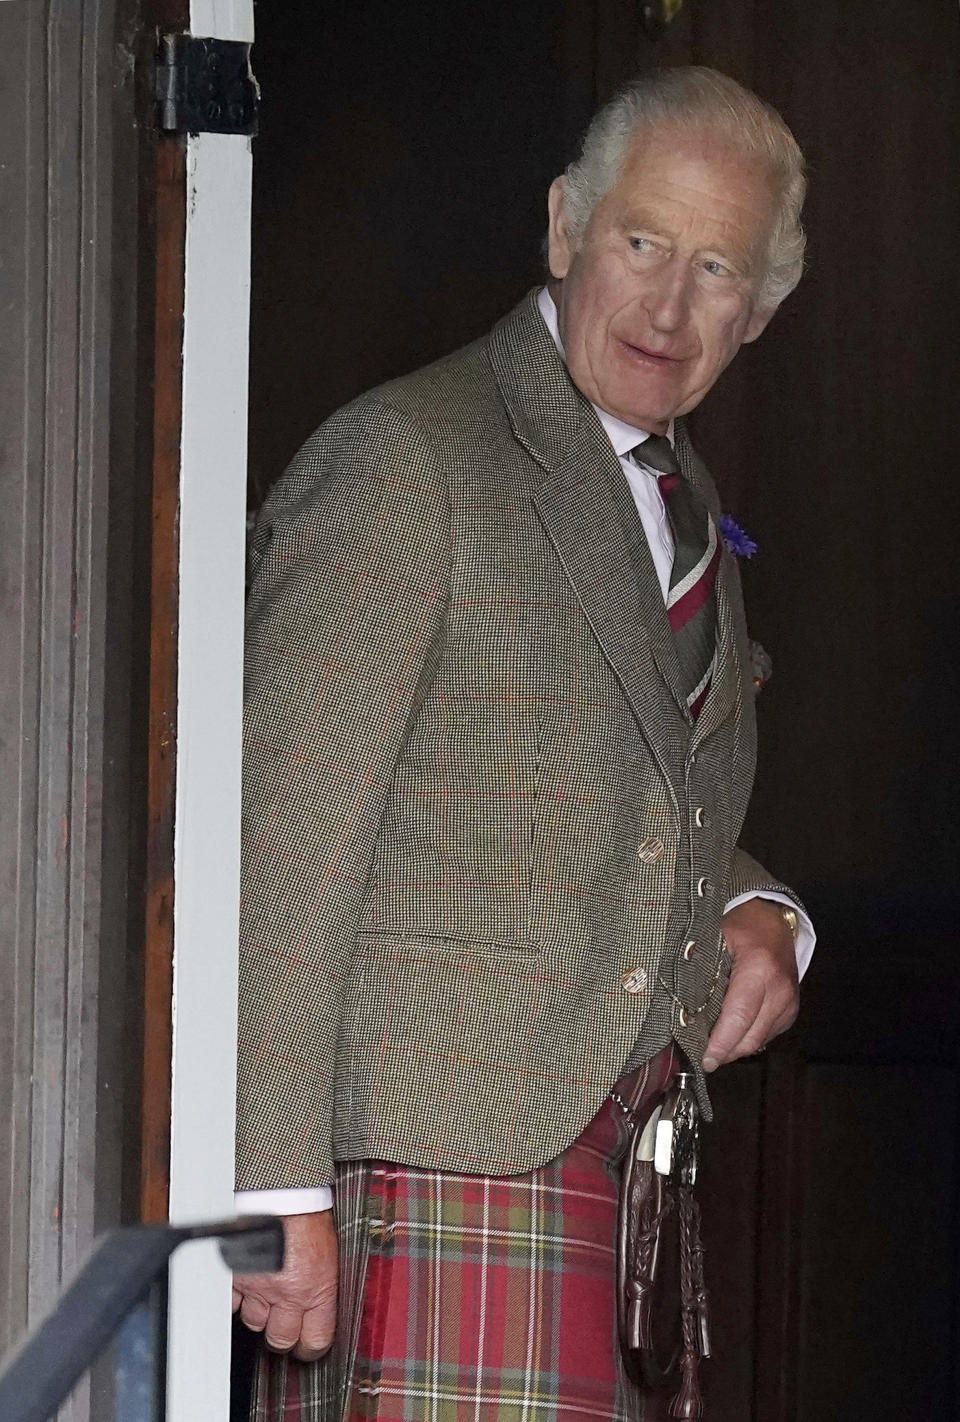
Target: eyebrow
[639, 219]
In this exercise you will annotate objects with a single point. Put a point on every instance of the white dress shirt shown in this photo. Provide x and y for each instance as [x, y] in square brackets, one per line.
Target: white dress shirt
[656, 526]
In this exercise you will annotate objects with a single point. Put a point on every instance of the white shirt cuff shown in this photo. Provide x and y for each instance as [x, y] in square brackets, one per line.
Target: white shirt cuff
[806, 933]
[283, 1202]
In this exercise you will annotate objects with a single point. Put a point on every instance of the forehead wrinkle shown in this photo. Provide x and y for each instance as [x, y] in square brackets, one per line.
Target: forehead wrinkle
[692, 196]
[657, 177]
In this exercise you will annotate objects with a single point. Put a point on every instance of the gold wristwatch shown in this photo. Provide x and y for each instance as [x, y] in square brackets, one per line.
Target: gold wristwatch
[789, 916]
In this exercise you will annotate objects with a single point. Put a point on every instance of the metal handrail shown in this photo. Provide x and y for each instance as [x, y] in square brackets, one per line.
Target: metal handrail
[121, 1293]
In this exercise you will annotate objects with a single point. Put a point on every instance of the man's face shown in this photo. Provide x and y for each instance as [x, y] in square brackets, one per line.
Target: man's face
[660, 295]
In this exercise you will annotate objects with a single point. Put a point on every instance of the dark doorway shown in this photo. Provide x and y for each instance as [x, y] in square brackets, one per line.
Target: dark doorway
[399, 192]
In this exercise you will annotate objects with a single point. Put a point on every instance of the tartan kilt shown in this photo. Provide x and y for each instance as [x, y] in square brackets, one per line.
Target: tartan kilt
[466, 1298]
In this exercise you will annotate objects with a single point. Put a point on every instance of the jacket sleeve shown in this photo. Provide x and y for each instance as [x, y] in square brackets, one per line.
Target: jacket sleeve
[749, 877]
[347, 600]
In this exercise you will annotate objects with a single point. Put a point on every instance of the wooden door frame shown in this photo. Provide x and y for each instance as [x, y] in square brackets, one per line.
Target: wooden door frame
[201, 215]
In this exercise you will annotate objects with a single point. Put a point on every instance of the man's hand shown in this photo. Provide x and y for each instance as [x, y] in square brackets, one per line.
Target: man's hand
[763, 997]
[296, 1309]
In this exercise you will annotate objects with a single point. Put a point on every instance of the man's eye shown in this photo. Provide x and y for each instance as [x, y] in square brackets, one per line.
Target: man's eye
[716, 269]
[641, 244]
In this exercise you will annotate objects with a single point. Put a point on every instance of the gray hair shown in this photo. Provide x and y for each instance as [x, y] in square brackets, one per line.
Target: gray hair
[698, 99]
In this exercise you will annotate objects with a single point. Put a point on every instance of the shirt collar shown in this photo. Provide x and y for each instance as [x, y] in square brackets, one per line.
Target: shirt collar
[623, 437]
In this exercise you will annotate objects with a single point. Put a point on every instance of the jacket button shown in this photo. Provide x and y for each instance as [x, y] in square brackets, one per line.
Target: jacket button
[634, 981]
[689, 949]
[700, 816]
[704, 887]
[649, 850]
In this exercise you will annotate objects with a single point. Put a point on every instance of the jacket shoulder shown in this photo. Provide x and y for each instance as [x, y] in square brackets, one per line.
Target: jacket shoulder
[427, 417]
[446, 397]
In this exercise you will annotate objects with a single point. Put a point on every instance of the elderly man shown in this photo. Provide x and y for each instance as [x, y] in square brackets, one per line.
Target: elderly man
[500, 744]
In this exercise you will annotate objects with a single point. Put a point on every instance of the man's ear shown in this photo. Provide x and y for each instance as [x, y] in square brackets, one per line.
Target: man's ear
[559, 247]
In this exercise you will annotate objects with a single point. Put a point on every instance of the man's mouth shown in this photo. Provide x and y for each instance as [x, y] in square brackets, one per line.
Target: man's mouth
[646, 353]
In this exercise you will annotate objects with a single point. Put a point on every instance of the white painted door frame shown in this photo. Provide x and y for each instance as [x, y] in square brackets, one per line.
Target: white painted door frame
[213, 480]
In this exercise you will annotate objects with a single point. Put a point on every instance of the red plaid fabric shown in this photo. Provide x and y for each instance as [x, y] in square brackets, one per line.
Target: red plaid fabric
[473, 1299]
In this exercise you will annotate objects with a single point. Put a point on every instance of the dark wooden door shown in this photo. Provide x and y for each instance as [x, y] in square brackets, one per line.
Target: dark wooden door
[75, 273]
[399, 191]
[832, 439]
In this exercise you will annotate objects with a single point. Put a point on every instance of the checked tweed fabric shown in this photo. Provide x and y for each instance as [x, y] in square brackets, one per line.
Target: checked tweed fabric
[480, 826]
[469, 1299]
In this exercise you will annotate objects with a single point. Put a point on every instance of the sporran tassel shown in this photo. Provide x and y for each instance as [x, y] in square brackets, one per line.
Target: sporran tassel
[688, 1402]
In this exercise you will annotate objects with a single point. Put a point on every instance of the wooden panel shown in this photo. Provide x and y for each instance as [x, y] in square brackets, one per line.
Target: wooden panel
[830, 1196]
[21, 392]
[161, 220]
[777, 1321]
[730, 1192]
[400, 185]
[805, 432]
[67, 346]
[170, 214]
[878, 1252]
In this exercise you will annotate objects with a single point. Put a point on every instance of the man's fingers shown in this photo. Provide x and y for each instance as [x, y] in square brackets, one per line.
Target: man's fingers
[779, 1011]
[236, 1299]
[741, 1006]
[283, 1328]
[740, 1034]
[316, 1332]
[753, 1041]
[306, 1288]
[254, 1311]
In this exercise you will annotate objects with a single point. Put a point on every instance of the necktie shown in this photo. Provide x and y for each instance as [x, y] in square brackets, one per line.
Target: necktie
[691, 598]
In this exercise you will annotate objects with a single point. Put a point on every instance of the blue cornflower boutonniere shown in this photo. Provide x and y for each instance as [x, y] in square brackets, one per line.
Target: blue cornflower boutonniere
[735, 540]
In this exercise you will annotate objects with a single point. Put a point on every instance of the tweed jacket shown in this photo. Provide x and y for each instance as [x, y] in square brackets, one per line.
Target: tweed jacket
[485, 848]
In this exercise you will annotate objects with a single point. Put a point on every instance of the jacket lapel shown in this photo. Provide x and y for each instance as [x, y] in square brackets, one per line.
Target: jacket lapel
[614, 581]
[652, 611]
[588, 513]
[729, 670]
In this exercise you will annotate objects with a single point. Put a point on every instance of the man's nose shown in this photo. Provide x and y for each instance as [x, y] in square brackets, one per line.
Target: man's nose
[668, 297]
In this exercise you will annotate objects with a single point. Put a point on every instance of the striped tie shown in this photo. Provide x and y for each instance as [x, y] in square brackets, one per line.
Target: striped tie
[692, 596]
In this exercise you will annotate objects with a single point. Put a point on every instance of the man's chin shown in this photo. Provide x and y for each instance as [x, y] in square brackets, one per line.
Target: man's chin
[649, 409]
[654, 418]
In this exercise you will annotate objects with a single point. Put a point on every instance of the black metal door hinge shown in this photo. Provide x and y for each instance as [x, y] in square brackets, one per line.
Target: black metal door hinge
[205, 86]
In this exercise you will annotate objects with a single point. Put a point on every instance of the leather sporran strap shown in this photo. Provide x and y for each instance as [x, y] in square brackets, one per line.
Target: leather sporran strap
[649, 1199]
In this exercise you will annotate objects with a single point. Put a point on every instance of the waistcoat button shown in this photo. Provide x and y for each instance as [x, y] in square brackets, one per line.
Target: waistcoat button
[704, 887]
[649, 850]
[689, 949]
[634, 981]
